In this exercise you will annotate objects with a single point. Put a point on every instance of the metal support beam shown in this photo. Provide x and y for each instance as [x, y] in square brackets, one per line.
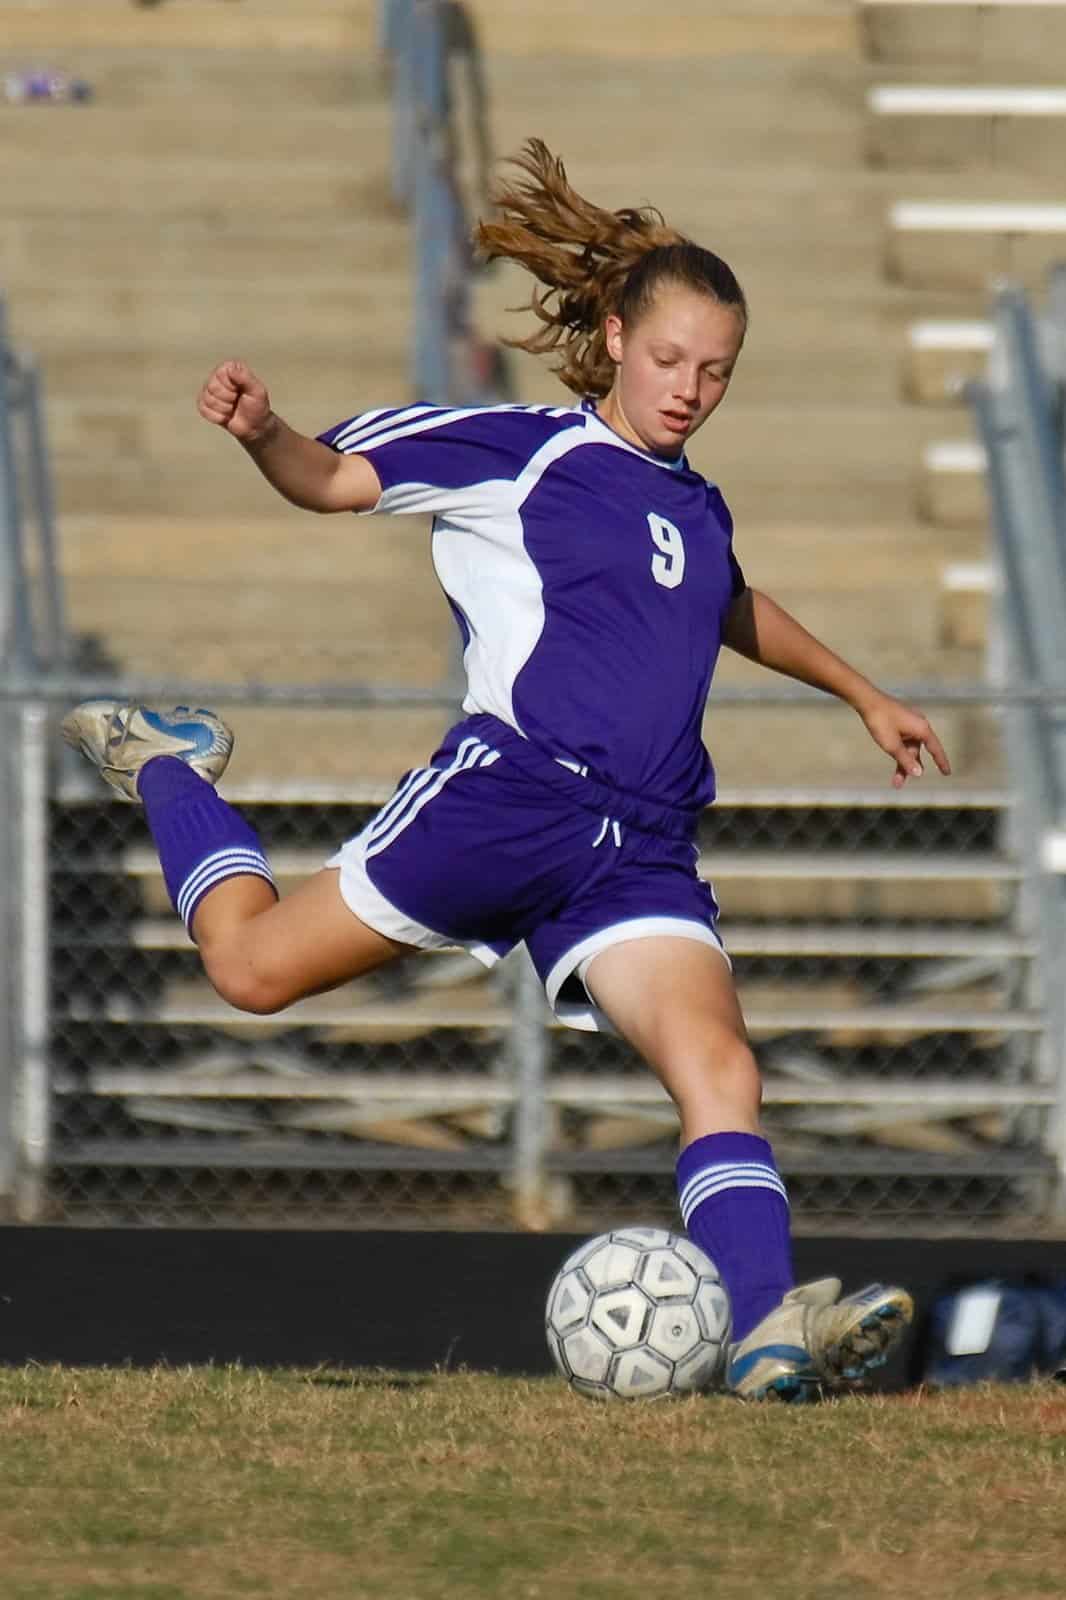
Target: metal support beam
[32, 1086]
[1019, 419]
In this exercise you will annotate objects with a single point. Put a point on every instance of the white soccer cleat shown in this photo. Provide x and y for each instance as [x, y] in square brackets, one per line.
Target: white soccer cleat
[119, 738]
[814, 1341]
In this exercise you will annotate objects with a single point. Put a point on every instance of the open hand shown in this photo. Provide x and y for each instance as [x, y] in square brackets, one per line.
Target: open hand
[902, 733]
[235, 399]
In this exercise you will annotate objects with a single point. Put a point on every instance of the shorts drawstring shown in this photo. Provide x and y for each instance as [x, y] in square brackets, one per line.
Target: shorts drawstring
[615, 830]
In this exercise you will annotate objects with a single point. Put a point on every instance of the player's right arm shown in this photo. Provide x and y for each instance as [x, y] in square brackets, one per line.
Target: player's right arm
[301, 469]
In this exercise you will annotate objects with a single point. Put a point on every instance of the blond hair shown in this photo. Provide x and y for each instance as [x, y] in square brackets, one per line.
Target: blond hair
[591, 262]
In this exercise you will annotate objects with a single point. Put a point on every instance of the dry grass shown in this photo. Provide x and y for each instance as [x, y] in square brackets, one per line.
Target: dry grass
[199, 1484]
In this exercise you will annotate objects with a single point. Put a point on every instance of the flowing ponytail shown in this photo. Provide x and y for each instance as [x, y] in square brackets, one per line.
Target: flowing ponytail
[591, 262]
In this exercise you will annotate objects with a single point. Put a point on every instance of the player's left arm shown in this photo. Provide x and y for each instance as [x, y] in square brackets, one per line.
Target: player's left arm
[758, 628]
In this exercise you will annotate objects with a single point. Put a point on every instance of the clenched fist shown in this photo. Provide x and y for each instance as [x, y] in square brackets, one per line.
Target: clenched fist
[235, 399]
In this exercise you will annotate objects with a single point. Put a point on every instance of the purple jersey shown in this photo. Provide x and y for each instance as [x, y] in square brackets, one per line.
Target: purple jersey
[591, 580]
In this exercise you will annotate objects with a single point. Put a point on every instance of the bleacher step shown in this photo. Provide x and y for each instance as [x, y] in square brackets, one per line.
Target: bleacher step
[343, 1015]
[860, 941]
[841, 865]
[453, 1091]
[942, 355]
[1006, 37]
[961, 244]
[961, 126]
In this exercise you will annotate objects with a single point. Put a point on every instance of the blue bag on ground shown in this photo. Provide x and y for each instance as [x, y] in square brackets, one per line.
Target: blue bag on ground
[998, 1330]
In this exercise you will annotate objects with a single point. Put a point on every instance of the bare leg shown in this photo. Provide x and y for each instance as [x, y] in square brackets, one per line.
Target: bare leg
[675, 1001]
[262, 954]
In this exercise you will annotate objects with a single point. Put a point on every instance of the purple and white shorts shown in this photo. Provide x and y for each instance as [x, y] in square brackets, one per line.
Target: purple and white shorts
[496, 842]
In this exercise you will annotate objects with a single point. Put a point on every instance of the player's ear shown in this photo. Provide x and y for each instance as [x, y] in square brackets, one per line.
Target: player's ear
[612, 329]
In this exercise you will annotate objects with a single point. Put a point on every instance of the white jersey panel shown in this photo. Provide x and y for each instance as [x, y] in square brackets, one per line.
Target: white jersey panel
[487, 572]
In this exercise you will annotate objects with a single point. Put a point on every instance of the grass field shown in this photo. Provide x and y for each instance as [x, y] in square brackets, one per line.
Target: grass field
[230, 1482]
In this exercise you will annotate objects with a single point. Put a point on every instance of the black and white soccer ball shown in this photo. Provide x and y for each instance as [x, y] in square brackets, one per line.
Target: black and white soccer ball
[636, 1314]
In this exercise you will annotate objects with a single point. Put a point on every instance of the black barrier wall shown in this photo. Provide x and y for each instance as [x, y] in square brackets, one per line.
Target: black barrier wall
[409, 1301]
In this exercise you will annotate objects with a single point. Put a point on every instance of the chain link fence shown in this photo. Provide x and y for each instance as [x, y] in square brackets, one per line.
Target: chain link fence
[882, 957]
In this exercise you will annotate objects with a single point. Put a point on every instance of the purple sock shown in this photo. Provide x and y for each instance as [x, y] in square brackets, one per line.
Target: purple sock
[201, 840]
[735, 1208]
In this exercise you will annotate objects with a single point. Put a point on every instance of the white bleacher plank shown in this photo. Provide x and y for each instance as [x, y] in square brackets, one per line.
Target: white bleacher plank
[461, 1090]
[954, 456]
[921, 1096]
[442, 1091]
[948, 244]
[969, 577]
[942, 355]
[967, 592]
[743, 939]
[369, 791]
[965, 100]
[376, 1019]
[964, 5]
[847, 865]
[864, 942]
[719, 864]
[418, 1014]
[942, 333]
[984, 216]
[952, 491]
[966, 127]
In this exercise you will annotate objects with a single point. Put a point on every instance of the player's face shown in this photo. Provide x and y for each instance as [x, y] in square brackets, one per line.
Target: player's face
[672, 368]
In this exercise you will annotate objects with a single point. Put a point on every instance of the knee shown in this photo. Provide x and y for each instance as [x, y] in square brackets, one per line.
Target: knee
[721, 1070]
[242, 982]
[732, 1061]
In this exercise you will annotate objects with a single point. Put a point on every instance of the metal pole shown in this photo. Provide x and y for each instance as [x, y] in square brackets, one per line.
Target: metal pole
[32, 1089]
[433, 242]
[8, 991]
[51, 643]
[1021, 432]
[531, 1047]
[14, 654]
[397, 40]
[15, 616]
[1055, 895]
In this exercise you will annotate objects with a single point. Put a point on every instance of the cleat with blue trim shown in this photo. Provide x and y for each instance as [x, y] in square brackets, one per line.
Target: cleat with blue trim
[775, 1361]
[814, 1342]
[119, 737]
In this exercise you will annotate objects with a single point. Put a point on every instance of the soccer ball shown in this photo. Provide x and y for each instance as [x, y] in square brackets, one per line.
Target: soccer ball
[638, 1313]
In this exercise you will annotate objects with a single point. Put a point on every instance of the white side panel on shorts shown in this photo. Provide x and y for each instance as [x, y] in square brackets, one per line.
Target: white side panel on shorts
[365, 901]
[586, 1015]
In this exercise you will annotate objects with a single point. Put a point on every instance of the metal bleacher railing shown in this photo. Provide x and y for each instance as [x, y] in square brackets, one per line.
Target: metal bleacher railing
[440, 167]
[1020, 410]
[34, 641]
[896, 955]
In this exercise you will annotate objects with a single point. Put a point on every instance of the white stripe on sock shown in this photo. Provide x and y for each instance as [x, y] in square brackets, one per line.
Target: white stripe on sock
[221, 876]
[234, 853]
[233, 863]
[712, 1179]
[715, 1180]
[746, 1183]
[700, 1187]
[722, 1169]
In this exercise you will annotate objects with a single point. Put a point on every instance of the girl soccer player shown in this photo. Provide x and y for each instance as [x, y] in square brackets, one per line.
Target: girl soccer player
[592, 575]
